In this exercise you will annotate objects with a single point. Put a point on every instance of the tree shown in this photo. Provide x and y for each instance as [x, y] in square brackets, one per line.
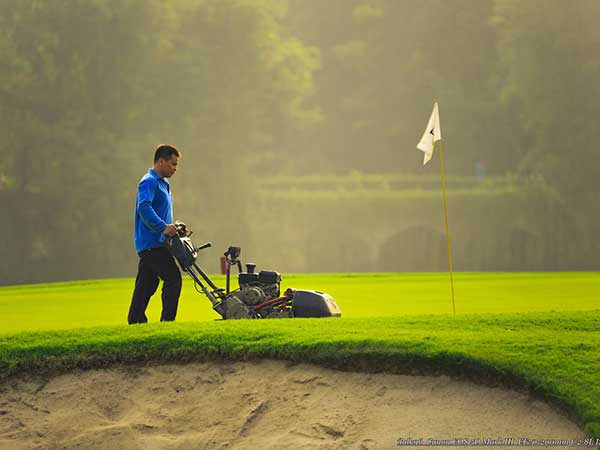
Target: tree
[90, 87]
[550, 67]
[384, 64]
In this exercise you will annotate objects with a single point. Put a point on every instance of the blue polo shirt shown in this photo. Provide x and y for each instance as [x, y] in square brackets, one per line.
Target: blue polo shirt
[153, 211]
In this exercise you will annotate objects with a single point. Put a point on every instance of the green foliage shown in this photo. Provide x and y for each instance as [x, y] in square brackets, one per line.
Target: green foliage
[253, 88]
[71, 82]
[89, 88]
[385, 186]
[554, 355]
[550, 68]
[385, 62]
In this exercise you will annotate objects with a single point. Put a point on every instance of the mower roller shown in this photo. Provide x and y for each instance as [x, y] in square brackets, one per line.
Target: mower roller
[258, 295]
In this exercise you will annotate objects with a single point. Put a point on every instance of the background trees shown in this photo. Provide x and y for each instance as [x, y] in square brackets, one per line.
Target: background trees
[267, 87]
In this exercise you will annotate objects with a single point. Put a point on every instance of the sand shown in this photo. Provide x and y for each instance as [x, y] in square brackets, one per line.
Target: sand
[262, 405]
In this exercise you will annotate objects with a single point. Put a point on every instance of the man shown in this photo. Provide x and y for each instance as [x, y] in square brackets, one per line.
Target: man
[154, 223]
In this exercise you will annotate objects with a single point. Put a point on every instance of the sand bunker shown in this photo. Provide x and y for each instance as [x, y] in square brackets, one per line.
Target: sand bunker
[260, 406]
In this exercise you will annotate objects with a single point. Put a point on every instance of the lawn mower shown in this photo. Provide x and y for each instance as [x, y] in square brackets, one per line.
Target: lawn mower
[258, 295]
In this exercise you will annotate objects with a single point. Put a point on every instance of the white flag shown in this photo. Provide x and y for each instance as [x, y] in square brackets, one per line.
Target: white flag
[433, 133]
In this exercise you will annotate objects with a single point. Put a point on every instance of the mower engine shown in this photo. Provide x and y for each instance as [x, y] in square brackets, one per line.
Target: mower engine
[256, 295]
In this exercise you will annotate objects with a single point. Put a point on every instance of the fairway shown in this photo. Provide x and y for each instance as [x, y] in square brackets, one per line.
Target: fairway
[536, 331]
[106, 302]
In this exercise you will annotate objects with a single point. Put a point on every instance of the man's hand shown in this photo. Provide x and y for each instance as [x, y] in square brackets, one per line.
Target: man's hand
[170, 230]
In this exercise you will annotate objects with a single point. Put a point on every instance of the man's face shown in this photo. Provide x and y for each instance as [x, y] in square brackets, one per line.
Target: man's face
[167, 167]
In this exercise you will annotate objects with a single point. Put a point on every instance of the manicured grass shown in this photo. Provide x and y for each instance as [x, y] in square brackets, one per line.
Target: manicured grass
[106, 302]
[537, 330]
[556, 355]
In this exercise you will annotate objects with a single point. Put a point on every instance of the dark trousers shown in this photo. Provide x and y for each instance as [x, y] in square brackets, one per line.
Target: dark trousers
[154, 264]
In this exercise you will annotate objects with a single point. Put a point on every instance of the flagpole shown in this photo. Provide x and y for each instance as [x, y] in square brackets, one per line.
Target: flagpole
[447, 233]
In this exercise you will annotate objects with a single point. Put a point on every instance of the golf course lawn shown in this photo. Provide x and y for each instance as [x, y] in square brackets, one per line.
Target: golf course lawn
[539, 331]
[106, 302]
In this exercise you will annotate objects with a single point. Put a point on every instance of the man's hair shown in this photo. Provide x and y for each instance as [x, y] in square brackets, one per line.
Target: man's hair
[165, 152]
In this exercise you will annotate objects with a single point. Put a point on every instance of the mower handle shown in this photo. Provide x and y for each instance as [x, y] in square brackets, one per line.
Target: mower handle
[203, 246]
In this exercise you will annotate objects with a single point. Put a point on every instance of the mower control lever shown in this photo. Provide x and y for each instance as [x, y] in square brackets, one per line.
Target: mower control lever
[203, 246]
